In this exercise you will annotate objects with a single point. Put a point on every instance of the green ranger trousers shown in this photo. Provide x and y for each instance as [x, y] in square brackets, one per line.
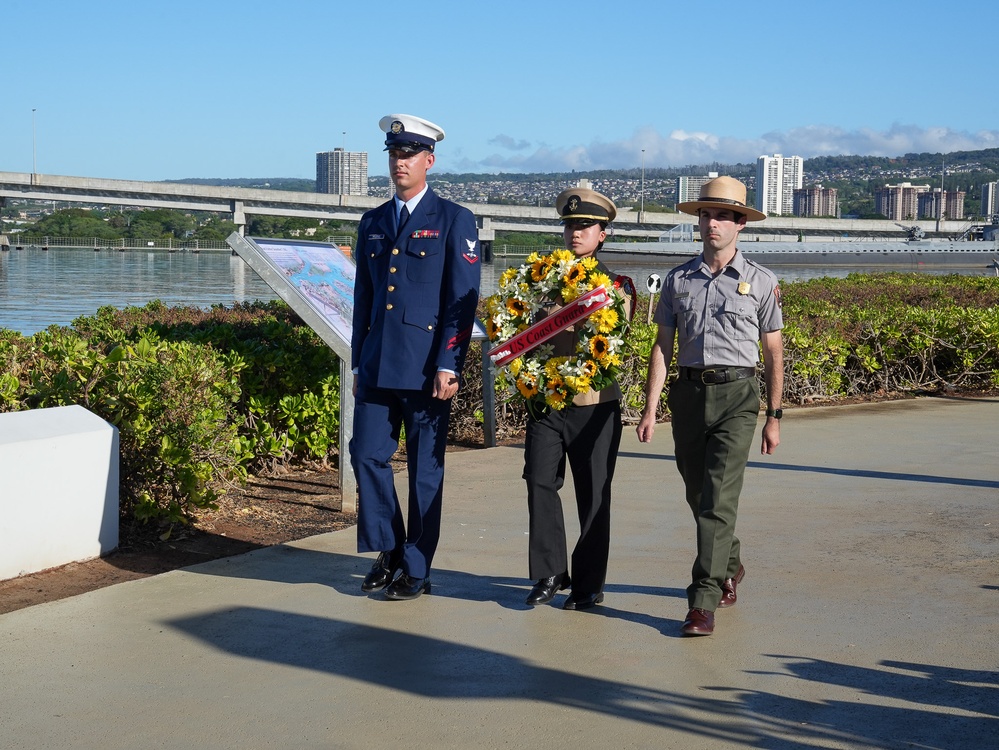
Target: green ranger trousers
[713, 428]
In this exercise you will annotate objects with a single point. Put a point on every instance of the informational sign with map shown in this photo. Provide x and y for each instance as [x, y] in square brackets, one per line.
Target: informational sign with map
[316, 279]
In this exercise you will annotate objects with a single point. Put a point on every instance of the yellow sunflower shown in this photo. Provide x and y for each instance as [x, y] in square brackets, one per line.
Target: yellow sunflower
[599, 346]
[527, 386]
[555, 396]
[539, 269]
[575, 275]
[517, 307]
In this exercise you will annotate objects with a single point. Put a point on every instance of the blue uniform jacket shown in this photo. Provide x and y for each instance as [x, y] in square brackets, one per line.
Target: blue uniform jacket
[414, 294]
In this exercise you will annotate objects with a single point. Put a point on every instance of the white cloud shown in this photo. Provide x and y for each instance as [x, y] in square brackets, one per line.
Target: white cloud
[681, 148]
[512, 144]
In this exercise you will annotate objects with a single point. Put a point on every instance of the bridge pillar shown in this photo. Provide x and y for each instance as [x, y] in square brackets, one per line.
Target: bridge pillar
[238, 217]
[486, 236]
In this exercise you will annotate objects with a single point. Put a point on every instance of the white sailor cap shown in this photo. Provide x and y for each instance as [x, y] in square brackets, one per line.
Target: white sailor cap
[409, 133]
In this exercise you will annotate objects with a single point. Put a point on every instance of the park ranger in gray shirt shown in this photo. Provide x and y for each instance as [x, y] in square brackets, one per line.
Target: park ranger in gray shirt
[719, 311]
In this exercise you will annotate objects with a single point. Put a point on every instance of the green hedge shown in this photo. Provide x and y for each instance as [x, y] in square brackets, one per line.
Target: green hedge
[863, 336]
[201, 398]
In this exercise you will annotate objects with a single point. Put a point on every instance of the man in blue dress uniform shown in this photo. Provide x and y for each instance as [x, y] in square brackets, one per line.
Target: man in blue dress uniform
[415, 294]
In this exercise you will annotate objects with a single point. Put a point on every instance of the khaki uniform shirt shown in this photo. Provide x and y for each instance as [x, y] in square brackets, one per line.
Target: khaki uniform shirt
[719, 320]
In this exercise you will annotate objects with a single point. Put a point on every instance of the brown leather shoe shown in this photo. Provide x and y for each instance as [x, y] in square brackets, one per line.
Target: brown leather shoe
[728, 588]
[698, 622]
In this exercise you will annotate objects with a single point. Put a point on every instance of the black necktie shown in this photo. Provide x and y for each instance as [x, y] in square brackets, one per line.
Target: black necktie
[403, 216]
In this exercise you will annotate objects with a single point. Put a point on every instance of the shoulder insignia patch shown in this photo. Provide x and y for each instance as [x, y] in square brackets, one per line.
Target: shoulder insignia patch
[625, 284]
[471, 254]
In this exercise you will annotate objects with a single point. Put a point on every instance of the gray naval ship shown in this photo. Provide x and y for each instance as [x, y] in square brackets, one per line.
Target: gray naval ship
[913, 251]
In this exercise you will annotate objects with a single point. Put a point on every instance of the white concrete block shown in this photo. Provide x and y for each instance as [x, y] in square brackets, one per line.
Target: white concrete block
[58, 488]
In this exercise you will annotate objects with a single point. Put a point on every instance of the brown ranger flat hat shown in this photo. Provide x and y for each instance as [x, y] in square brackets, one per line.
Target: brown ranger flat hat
[584, 205]
[722, 192]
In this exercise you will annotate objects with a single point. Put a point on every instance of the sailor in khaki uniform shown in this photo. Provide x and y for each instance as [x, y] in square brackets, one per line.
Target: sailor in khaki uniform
[720, 308]
[587, 432]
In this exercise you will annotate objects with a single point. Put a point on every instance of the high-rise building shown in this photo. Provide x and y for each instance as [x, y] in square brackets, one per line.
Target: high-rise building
[899, 202]
[777, 177]
[953, 204]
[342, 172]
[688, 187]
[816, 201]
[990, 200]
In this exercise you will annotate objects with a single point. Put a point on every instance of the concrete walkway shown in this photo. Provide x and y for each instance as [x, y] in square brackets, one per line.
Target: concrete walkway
[869, 618]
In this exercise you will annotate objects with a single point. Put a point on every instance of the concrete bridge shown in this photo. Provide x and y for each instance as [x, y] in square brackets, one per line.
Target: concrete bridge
[240, 203]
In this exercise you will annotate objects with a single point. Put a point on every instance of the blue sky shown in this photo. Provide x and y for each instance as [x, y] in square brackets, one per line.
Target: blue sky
[152, 90]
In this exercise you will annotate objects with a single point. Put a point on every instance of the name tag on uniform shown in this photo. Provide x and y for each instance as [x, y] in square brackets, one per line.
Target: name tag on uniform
[425, 234]
[376, 236]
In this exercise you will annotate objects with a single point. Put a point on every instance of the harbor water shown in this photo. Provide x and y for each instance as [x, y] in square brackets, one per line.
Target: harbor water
[39, 288]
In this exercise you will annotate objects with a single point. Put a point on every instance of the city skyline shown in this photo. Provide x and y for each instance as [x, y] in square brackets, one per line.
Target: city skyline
[154, 92]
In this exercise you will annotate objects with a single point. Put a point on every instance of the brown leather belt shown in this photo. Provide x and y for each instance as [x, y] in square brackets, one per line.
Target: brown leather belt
[716, 375]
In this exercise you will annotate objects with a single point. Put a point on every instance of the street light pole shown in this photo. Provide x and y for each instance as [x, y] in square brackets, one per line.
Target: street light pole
[940, 210]
[34, 150]
[641, 210]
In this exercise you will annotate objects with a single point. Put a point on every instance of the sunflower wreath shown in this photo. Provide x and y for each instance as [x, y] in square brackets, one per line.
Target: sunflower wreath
[539, 377]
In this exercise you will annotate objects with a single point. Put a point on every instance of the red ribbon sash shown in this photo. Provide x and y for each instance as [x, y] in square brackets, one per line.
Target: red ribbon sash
[540, 332]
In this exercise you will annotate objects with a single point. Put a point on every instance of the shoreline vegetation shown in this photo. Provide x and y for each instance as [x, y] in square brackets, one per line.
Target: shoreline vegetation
[205, 399]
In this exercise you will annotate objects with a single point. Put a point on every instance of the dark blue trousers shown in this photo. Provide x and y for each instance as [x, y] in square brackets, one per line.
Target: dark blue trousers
[379, 415]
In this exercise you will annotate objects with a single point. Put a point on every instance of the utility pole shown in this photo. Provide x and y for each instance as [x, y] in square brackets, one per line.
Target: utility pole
[34, 149]
[940, 210]
[641, 210]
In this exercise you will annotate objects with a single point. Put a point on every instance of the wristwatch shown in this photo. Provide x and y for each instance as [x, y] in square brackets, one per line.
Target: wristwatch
[775, 413]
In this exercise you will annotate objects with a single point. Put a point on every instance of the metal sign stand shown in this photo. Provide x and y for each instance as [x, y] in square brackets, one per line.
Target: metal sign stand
[332, 326]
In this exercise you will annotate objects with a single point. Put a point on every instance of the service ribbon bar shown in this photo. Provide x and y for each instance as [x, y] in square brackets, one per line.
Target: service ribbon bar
[540, 332]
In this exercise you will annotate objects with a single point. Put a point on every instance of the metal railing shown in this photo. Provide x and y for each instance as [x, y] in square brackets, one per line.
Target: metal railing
[19, 242]
[679, 233]
[333, 239]
[25, 241]
[520, 251]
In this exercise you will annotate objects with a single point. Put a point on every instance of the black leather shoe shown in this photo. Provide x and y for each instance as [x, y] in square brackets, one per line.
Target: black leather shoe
[382, 572]
[546, 588]
[407, 587]
[729, 586]
[579, 600]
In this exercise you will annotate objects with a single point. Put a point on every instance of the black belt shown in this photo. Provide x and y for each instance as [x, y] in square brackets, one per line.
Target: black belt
[716, 375]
